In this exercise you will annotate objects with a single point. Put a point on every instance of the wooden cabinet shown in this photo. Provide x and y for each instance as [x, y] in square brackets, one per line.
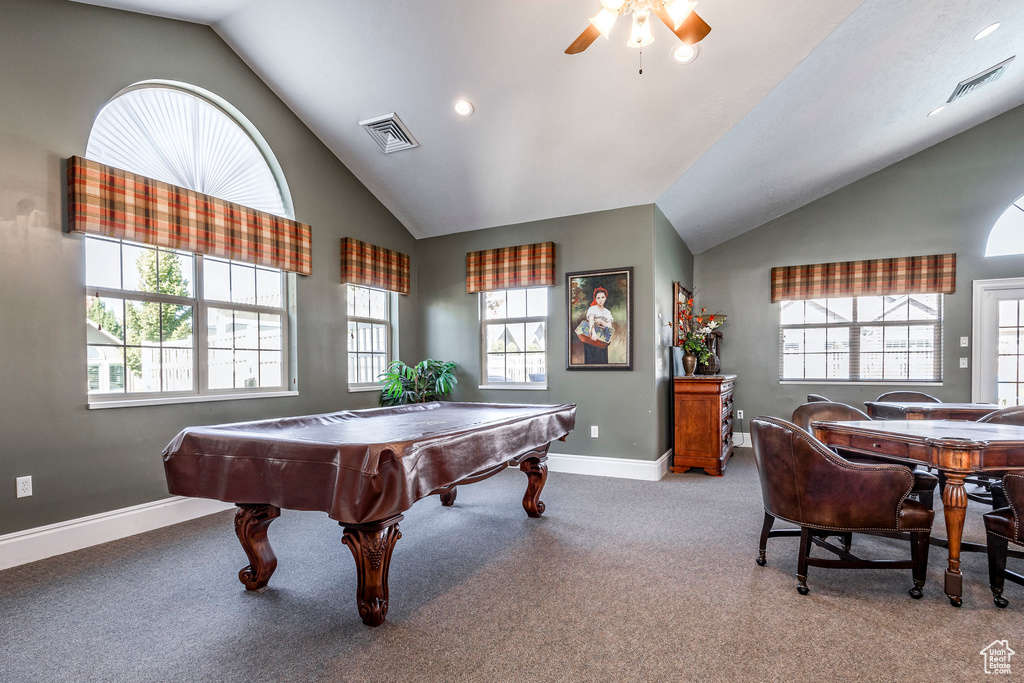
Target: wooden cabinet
[702, 418]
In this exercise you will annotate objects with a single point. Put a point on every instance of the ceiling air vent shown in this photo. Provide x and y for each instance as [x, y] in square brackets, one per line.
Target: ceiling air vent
[974, 82]
[389, 133]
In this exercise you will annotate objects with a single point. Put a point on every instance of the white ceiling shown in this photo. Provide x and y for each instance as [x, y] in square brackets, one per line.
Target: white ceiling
[788, 100]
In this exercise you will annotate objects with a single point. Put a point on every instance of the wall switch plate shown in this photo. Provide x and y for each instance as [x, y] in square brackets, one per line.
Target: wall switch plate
[739, 414]
[24, 486]
[593, 431]
[963, 362]
[963, 342]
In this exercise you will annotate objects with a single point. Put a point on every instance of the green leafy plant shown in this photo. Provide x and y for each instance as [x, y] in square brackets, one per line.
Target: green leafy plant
[428, 380]
[695, 344]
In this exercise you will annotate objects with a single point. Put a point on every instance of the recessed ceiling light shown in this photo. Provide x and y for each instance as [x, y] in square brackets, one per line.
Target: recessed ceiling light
[987, 31]
[463, 107]
[684, 54]
[935, 111]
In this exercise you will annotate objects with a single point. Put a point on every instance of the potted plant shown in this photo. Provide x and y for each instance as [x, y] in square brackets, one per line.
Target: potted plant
[694, 332]
[428, 380]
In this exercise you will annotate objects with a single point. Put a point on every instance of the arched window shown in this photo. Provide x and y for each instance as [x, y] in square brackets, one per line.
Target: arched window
[171, 325]
[1007, 236]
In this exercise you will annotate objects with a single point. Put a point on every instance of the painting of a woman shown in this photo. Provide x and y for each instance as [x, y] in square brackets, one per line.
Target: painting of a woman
[600, 317]
[600, 321]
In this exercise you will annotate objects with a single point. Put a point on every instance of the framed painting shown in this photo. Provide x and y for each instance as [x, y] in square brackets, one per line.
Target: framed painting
[599, 319]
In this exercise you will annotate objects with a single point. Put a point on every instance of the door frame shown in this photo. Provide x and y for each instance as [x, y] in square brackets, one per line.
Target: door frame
[980, 366]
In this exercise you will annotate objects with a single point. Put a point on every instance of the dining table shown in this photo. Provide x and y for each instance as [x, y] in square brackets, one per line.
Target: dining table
[927, 410]
[956, 448]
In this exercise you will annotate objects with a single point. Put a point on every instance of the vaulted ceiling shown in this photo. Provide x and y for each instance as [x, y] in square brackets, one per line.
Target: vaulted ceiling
[787, 101]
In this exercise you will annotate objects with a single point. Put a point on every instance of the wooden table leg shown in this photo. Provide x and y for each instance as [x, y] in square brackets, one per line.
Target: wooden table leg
[954, 503]
[251, 522]
[537, 472]
[372, 545]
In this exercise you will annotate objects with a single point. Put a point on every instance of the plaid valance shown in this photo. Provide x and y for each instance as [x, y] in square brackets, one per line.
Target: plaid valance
[902, 275]
[528, 265]
[366, 264]
[104, 200]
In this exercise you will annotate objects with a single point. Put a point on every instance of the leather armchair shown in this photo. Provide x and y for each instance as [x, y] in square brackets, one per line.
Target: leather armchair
[805, 483]
[812, 398]
[803, 416]
[908, 396]
[1002, 527]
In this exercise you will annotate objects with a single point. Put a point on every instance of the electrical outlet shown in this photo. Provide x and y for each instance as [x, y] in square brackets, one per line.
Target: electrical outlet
[963, 362]
[24, 486]
[739, 414]
[963, 342]
[593, 431]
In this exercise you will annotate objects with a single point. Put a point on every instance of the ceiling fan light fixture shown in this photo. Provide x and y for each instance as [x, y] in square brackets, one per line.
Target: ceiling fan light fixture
[613, 5]
[678, 10]
[463, 108]
[684, 53]
[604, 20]
[641, 35]
[987, 31]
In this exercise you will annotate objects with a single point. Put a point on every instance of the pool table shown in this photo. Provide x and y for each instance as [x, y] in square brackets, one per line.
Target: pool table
[363, 468]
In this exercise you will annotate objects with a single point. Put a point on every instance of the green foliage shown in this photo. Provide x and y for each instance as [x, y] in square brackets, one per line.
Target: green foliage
[428, 380]
[105, 318]
[145, 320]
[695, 344]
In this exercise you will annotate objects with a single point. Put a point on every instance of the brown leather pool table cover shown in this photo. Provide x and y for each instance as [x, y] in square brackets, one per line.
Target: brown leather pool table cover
[357, 465]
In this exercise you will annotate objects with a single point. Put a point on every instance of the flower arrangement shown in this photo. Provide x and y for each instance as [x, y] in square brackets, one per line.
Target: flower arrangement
[695, 328]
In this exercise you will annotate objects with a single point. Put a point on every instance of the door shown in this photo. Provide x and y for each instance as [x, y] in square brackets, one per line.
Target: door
[998, 342]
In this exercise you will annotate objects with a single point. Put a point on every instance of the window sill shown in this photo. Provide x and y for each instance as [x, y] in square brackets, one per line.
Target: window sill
[887, 383]
[521, 387]
[359, 389]
[173, 400]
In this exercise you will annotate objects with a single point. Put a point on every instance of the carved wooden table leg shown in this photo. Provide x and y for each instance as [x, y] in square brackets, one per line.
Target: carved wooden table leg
[448, 497]
[251, 522]
[537, 472]
[954, 503]
[371, 545]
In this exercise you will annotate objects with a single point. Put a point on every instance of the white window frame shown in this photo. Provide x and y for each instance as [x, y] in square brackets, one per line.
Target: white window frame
[390, 324]
[854, 347]
[985, 323]
[484, 321]
[200, 346]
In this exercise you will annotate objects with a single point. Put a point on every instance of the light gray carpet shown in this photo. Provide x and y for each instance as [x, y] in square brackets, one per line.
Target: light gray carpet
[619, 581]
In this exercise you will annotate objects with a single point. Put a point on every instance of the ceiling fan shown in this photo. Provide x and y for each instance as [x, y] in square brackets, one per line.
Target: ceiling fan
[678, 15]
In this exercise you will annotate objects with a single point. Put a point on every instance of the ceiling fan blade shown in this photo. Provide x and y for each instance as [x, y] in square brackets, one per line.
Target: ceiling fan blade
[584, 41]
[691, 31]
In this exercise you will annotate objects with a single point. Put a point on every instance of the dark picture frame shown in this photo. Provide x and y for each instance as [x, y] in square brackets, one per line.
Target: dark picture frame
[609, 346]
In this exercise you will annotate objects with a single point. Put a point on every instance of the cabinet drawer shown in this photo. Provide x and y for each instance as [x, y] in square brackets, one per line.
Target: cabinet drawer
[869, 445]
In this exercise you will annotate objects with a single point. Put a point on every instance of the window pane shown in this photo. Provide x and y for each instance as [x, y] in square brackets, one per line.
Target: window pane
[352, 345]
[365, 368]
[105, 369]
[243, 284]
[496, 339]
[93, 375]
[222, 368]
[896, 339]
[143, 369]
[116, 376]
[814, 364]
[792, 312]
[361, 302]
[1007, 394]
[495, 304]
[840, 310]
[495, 367]
[247, 332]
[793, 366]
[815, 311]
[838, 339]
[516, 303]
[921, 338]
[871, 366]
[268, 288]
[838, 366]
[515, 367]
[351, 291]
[139, 268]
[924, 306]
[353, 366]
[537, 302]
[378, 308]
[536, 370]
[219, 329]
[364, 341]
[895, 307]
[894, 366]
[175, 273]
[793, 341]
[176, 325]
[515, 335]
[143, 323]
[270, 369]
[535, 337]
[869, 309]
[106, 316]
[270, 331]
[216, 279]
[177, 369]
[1008, 313]
[814, 339]
[379, 362]
[871, 339]
[1008, 340]
[1007, 371]
[246, 369]
[102, 263]
[380, 339]
[921, 366]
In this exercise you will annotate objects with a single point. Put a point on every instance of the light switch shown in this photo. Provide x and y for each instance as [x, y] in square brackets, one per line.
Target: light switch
[963, 362]
[963, 342]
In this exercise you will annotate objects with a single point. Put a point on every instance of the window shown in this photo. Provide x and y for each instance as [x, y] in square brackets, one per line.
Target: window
[862, 339]
[369, 334]
[1007, 236]
[514, 337]
[162, 321]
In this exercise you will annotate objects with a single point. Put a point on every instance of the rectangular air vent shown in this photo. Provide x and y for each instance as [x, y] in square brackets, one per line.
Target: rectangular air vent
[989, 75]
[389, 133]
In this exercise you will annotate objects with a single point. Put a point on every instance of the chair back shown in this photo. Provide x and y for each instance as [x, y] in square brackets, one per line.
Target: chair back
[814, 398]
[917, 396]
[806, 483]
[1013, 487]
[1014, 415]
[804, 415]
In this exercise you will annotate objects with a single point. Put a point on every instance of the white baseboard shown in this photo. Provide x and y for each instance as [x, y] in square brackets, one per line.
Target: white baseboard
[623, 468]
[740, 440]
[30, 545]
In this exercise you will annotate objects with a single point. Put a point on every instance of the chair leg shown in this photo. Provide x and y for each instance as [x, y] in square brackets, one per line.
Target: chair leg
[801, 568]
[847, 537]
[769, 521]
[999, 499]
[997, 547]
[919, 553]
[927, 499]
[942, 481]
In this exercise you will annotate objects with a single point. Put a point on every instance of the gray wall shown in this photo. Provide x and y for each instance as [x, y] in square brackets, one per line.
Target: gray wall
[673, 262]
[944, 199]
[621, 403]
[61, 62]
